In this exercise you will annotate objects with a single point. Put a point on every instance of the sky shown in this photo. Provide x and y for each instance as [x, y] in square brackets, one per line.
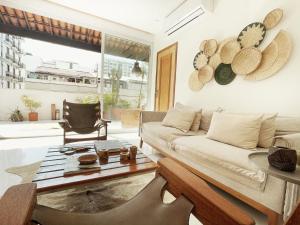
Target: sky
[48, 52]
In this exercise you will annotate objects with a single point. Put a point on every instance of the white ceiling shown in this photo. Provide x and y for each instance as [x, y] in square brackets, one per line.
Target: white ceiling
[146, 15]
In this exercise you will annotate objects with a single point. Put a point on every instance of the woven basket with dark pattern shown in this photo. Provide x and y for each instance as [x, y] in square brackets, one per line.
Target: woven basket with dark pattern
[281, 158]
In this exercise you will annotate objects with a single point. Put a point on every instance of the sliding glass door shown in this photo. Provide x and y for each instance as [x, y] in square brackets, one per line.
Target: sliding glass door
[124, 79]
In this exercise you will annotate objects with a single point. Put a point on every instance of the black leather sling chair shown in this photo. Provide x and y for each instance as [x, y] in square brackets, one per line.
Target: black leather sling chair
[83, 119]
[18, 205]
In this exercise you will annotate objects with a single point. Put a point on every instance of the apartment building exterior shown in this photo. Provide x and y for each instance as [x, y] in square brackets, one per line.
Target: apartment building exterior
[12, 69]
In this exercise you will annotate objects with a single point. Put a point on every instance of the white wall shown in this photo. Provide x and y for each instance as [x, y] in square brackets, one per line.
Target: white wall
[279, 93]
[10, 99]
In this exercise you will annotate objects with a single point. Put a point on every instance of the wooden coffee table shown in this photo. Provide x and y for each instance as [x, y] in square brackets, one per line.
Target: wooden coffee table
[50, 176]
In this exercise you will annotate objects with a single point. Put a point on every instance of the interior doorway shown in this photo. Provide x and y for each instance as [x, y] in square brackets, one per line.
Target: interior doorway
[165, 78]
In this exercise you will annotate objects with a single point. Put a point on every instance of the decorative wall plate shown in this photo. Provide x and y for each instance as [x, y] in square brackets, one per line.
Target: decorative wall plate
[229, 50]
[215, 60]
[273, 18]
[210, 47]
[252, 35]
[224, 42]
[201, 47]
[281, 48]
[246, 61]
[199, 60]
[194, 83]
[224, 74]
[205, 74]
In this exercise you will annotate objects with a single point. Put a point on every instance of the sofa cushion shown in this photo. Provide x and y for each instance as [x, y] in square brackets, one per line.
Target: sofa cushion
[267, 131]
[287, 125]
[222, 157]
[235, 129]
[168, 134]
[181, 120]
[206, 118]
[197, 119]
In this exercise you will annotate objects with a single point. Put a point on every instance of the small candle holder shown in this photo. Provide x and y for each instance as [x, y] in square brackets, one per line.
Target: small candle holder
[103, 154]
[124, 157]
[123, 150]
[132, 152]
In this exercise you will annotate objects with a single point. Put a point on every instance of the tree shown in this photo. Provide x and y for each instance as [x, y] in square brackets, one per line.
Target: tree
[115, 77]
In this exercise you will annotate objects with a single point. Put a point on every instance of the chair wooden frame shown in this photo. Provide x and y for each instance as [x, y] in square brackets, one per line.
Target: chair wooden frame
[94, 121]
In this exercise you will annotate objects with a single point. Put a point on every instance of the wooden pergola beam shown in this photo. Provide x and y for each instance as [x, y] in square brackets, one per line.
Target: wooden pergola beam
[26, 20]
[44, 36]
[2, 18]
[44, 24]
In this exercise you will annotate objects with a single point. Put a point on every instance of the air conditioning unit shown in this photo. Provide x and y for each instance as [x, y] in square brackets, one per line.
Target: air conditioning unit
[185, 13]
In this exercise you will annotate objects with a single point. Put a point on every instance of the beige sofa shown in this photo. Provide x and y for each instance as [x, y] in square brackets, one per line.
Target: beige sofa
[223, 165]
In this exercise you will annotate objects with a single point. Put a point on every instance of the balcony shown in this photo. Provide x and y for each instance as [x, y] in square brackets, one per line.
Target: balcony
[8, 56]
[9, 74]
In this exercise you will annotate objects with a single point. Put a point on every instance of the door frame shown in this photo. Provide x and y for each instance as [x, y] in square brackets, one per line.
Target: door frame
[175, 71]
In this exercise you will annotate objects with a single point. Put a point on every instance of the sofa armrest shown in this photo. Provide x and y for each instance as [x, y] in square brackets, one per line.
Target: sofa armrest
[17, 204]
[150, 116]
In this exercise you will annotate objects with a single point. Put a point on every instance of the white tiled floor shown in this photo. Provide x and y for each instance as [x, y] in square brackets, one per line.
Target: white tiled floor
[23, 151]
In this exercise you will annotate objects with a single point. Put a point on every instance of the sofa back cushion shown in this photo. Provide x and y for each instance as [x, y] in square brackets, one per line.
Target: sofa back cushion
[206, 118]
[267, 131]
[235, 129]
[287, 125]
[197, 119]
[181, 120]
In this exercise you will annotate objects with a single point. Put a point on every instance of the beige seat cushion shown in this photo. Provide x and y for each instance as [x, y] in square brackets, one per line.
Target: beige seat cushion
[238, 130]
[181, 120]
[197, 119]
[267, 131]
[222, 157]
[168, 134]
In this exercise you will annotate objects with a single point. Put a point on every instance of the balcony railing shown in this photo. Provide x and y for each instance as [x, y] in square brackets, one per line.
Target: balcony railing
[9, 56]
[9, 74]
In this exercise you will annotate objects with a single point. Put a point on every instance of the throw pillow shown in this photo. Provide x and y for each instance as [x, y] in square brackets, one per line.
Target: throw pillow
[238, 130]
[267, 131]
[206, 118]
[179, 119]
[196, 122]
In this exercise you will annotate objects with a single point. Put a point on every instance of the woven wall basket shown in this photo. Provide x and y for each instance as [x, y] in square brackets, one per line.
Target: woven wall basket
[215, 60]
[200, 60]
[224, 42]
[201, 47]
[224, 74]
[246, 61]
[273, 18]
[194, 83]
[210, 47]
[252, 35]
[229, 50]
[274, 57]
[205, 74]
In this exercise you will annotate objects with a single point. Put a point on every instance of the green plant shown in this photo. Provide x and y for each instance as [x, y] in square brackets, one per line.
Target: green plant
[115, 77]
[16, 116]
[108, 101]
[30, 104]
[88, 99]
[123, 104]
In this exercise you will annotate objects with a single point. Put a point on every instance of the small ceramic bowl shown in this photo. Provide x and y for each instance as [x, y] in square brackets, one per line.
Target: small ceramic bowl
[87, 159]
